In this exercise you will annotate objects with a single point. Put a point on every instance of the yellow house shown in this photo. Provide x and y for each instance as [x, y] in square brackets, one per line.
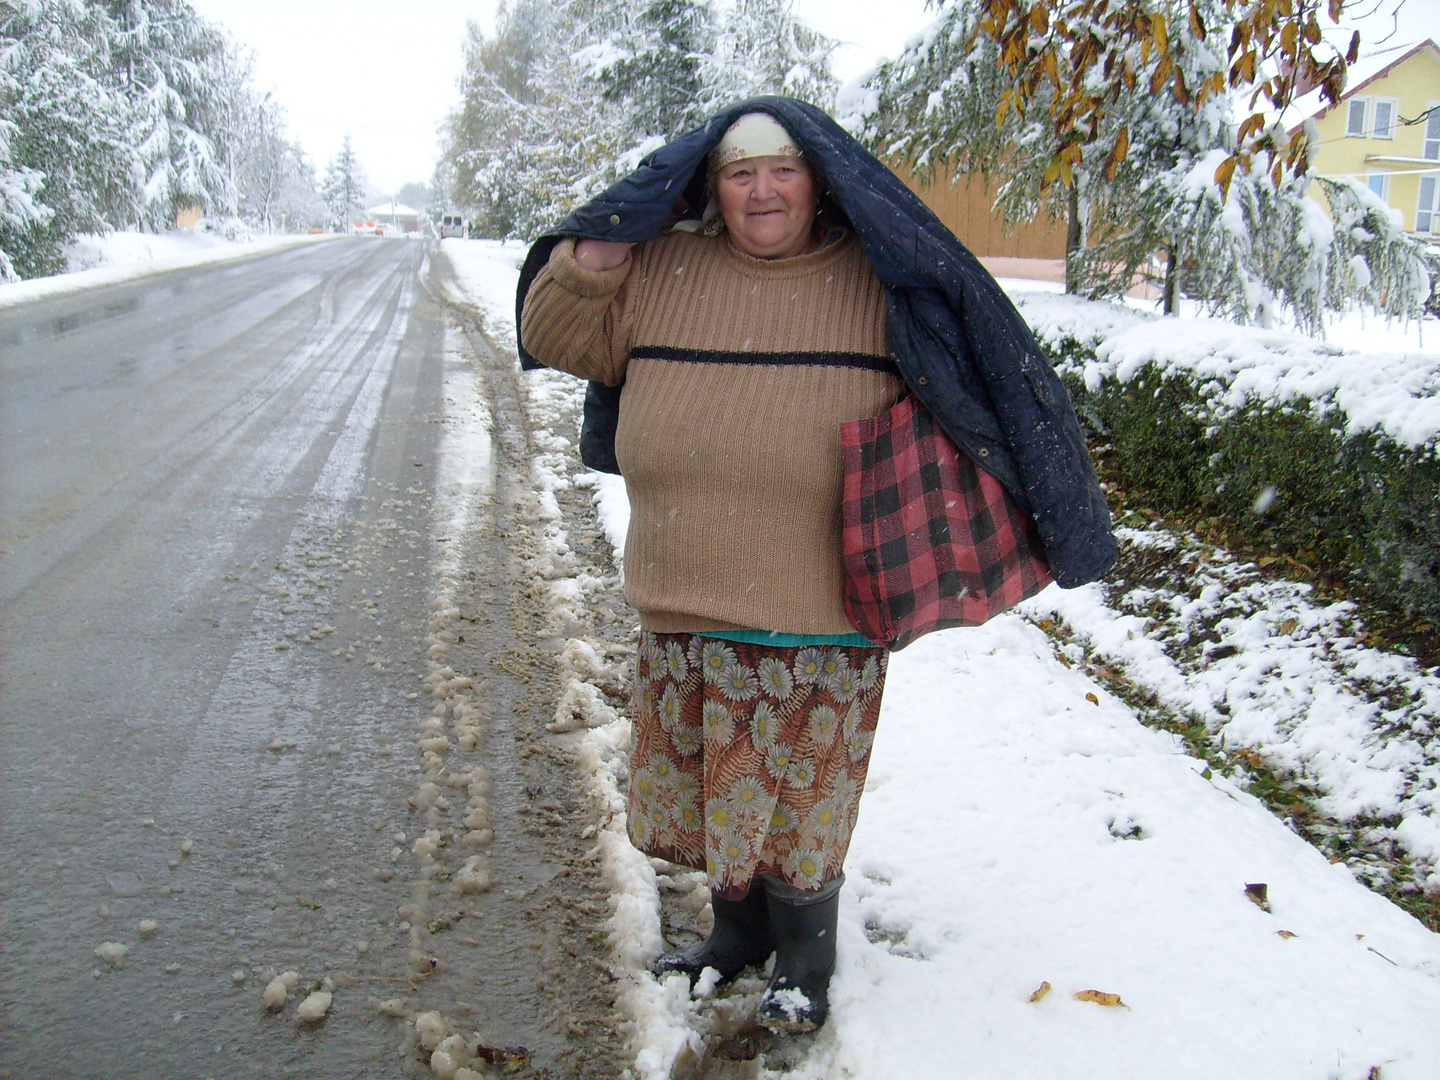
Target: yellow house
[1386, 131]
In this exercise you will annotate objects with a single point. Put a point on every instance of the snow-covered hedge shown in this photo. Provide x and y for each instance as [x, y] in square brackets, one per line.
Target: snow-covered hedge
[1333, 454]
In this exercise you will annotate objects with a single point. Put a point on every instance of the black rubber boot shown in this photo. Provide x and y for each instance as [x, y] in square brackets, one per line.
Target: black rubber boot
[740, 937]
[798, 997]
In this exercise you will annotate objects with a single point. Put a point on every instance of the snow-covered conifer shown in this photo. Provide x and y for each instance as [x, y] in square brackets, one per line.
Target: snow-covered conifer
[344, 186]
[175, 69]
[66, 165]
[658, 69]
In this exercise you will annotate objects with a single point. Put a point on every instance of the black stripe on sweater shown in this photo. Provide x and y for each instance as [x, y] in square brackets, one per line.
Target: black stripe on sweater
[867, 361]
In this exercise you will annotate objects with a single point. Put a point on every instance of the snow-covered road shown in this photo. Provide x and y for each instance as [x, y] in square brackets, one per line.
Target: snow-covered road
[1023, 839]
[249, 516]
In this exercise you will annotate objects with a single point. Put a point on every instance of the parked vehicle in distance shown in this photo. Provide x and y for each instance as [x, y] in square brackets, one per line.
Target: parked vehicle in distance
[452, 225]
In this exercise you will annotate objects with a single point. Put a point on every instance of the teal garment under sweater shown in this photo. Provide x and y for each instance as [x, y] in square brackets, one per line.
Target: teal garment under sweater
[789, 641]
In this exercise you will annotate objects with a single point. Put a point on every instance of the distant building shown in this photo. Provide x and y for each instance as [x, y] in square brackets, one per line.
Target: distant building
[1385, 132]
[395, 214]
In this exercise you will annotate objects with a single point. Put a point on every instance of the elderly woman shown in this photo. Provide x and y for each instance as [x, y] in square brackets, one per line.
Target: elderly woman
[743, 342]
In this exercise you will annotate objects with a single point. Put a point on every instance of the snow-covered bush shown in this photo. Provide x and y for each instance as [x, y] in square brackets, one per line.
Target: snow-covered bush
[1333, 456]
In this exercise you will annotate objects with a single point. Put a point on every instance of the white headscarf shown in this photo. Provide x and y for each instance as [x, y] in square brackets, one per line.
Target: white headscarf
[755, 134]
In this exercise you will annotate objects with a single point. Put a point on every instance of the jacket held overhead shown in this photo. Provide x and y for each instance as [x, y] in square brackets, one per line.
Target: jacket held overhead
[960, 345]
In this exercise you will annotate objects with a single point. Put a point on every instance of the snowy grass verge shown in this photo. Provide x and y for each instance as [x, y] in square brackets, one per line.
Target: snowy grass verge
[127, 256]
[1345, 733]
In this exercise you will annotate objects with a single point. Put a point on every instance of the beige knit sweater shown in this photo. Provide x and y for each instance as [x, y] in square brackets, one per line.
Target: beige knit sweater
[738, 373]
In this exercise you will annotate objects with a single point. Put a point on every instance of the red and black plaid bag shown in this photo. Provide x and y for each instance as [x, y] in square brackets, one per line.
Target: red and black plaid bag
[930, 540]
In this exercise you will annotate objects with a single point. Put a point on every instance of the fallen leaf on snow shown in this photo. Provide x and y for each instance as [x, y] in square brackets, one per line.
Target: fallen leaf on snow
[1259, 894]
[1092, 699]
[1043, 989]
[1099, 997]
[1284, 933]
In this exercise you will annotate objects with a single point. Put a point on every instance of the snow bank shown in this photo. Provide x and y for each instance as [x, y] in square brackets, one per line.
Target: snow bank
[1284, 676]
[1014, 833]
[125, 256]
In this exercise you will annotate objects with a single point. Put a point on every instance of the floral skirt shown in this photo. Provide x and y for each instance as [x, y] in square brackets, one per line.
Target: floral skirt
[750, 759]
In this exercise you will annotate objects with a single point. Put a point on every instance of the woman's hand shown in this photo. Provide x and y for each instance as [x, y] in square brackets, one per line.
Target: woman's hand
[600, 254]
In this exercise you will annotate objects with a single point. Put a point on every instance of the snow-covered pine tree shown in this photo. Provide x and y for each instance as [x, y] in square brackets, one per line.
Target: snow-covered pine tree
[22, 214]
[117, 113]
[656, 68]
[762, 47]
[66, 165]
[344, 187]
[175, 70]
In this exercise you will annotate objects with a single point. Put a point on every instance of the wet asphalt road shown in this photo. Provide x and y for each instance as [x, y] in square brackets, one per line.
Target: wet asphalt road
[216, 529]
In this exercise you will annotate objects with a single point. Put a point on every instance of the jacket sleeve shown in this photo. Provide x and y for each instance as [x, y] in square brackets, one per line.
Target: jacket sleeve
[574, 319]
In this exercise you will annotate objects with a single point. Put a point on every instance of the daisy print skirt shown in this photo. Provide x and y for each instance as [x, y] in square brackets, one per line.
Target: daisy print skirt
[750, 759]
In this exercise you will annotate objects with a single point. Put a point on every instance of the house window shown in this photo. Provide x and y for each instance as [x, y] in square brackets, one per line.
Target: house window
[1355, 123]
[1379, 183]
[1432, 133]
[1385, 109]
[1427, 213]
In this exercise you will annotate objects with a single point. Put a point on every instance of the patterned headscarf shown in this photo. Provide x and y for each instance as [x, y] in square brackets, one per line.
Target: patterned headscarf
[755, 134]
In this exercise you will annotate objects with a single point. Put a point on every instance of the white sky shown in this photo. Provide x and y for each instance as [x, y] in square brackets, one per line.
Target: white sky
[385, 71]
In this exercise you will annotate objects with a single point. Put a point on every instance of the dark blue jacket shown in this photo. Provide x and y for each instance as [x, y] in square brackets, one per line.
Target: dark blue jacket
[963, 349]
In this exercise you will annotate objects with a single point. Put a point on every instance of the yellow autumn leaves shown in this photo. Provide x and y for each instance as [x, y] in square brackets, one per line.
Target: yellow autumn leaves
[1098, 997]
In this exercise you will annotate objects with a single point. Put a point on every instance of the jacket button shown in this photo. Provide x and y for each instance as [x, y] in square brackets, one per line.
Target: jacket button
[923, 380]
[614, 219]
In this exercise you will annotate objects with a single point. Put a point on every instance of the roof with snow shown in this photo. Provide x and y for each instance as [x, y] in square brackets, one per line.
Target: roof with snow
[392, 209]
[1366, 70]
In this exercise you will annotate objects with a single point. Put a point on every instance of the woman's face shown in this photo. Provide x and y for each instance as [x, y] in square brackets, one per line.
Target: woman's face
[768, 204]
